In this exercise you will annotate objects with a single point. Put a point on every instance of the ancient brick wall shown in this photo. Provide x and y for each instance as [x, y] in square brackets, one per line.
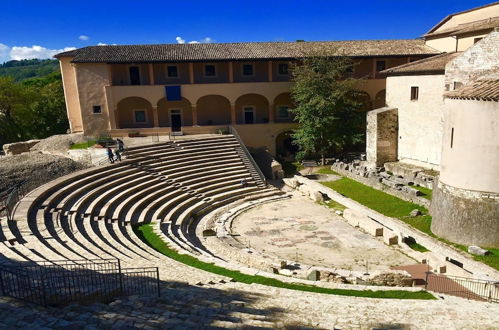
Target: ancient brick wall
[382, 135]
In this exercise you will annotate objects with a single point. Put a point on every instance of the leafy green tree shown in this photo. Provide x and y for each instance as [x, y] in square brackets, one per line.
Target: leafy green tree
[327, 107]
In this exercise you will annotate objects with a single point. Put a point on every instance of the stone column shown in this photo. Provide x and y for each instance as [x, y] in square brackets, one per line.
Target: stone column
[112, 117]
[271, 113]
[155, 117]
[194, 115]
[270, 72]
[191, 73]
[151, 74]
[233, 117]
[231, 72]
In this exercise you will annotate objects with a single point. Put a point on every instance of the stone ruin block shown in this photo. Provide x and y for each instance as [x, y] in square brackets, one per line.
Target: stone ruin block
[476, 250]
[209, 233]
[314, 275]
[390, 238]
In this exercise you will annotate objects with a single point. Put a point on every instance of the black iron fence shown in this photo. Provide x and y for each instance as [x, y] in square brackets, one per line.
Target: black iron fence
[464, 287]
[57, 283]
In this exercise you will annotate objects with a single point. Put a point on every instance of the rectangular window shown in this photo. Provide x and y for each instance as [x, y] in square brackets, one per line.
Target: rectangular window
[134, 75]
[139, 116]
[172, 71]
[452, 137]
[210, 70]
[414, 93]
[283, 111]
[248, 70]
[96, 109]
[380, 66]
[283, 69]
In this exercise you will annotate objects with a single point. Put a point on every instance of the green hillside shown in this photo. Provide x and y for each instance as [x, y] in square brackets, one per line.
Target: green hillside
[25, 69]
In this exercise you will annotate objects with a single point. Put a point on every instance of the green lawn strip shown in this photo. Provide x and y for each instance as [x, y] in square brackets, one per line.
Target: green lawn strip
[427, 192]
[394, 207]
[83, 145]
[146, 233]
[291, 168]
[417, 247]
[334, 205]
[327, 170]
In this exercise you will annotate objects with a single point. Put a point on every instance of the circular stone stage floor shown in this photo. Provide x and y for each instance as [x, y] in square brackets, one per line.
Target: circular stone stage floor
[303, 231]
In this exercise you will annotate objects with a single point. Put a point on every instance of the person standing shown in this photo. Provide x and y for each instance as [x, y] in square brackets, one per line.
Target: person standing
[110, 155]
[121, 145]
[117, 153]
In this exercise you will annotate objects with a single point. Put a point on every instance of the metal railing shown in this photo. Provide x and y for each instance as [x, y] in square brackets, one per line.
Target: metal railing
[233, 131]
[57, 283]
[464, 287]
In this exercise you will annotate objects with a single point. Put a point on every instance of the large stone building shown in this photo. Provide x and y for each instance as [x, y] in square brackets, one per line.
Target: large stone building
[201, 88]
[443, 113]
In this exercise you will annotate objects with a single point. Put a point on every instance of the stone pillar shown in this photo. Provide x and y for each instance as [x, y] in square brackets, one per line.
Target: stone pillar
[231, 72]
[382, 136]
[194, 115]
[151, 74]
[271, 113]
[191, 73]
[271, 75]
[155, 117]
[233, 117]
[112, 117]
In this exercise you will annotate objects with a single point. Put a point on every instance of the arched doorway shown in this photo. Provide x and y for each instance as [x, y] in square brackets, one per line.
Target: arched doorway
[252, 109]
[380, 99]
[213, 110]
[134, 112]
[180, 112]
[282, 103]
[285, 149]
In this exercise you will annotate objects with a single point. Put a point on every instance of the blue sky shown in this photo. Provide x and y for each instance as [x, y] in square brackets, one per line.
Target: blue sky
[31, 29]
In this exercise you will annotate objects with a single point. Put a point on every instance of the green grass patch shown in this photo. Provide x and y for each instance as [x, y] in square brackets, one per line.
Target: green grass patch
[334, 205]
[394, 207]
[83, 145]
[327, 170]
[377, 200]
[146, 233]
[427, 192]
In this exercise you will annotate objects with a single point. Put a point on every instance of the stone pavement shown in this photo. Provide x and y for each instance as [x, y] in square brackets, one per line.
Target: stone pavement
[236, 305]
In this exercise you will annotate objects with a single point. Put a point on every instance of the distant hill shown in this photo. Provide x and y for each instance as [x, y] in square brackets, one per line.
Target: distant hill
[25, 69]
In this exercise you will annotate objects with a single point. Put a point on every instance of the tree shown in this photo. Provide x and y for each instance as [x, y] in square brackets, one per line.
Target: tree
[326, 106]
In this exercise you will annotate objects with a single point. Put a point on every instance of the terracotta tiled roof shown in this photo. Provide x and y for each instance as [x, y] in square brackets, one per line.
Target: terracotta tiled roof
[485, 89]
[431, 65]
[244, 51]
[485, 24]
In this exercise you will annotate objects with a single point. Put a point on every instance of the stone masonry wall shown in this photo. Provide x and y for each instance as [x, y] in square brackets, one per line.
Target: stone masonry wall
[382, 134]
[478, 60]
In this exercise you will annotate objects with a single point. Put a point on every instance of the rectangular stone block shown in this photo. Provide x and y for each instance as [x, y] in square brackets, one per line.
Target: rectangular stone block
[370, 226]
[390, 238]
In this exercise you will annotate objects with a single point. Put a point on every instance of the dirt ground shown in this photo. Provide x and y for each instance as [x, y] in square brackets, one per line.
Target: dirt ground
[301, 230]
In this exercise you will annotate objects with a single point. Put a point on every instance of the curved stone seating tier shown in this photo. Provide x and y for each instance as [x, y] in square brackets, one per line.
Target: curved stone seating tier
[88, 214]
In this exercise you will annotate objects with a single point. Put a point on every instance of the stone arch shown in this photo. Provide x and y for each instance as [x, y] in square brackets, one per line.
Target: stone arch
[165, 106]
[365, 99]
[260, 104]
[213, 110]
[380, 99]
[283, 99]
[125, 117]
[285, 149]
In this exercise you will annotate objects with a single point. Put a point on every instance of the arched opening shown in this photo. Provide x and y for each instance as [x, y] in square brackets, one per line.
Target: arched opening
[364, 99]
[252, 109]
[213, 110]
[180, 112]
[285, 149]
[134, 112]
[282, 104]
[380, 99]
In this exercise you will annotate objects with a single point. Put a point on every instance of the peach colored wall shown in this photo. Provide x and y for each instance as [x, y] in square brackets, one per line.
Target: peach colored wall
[161, 78]
[260, 71]
[71, 94]
[260, 104]
[213, 110]
[475, 15]
[222, 71]
[124, 115]
[466, 41]
[275, 73]
[165, 106]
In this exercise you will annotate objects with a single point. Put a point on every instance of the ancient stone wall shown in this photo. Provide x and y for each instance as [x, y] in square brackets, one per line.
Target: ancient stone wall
[465, 217]
[480, 59]
[382, 135]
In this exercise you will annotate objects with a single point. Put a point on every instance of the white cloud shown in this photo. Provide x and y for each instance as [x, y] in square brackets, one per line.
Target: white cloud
[4, 53]
[23, 52]
[206, 40]
[104, 44]
[83, 37]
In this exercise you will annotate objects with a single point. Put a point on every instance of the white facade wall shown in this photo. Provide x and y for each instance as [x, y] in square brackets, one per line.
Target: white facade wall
[420, 121]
